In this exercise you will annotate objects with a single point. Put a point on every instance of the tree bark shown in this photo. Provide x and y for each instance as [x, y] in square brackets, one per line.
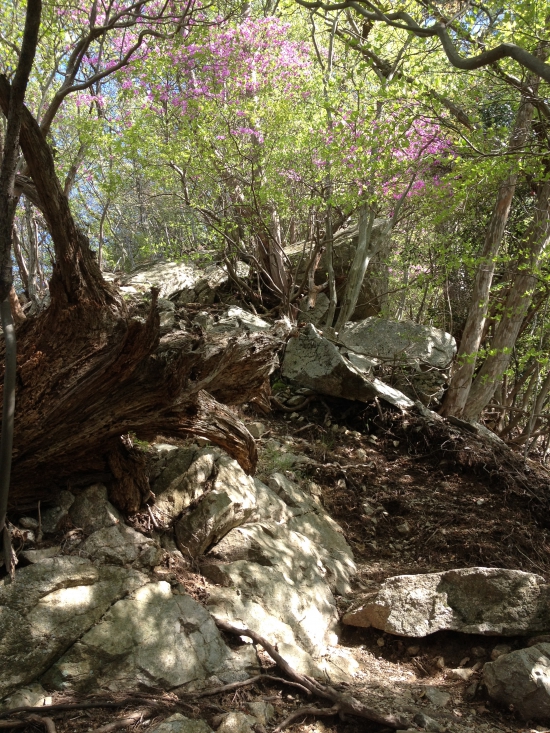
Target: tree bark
[515, 308]
[461, 381]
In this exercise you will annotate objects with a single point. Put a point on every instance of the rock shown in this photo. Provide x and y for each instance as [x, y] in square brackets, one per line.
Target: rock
[235, 499]
[184, 282]
[256, 429]
[183, 480]
[491, 601]
[121, 545]
[50, 605]
[28, 523]
[522, 679]
[52, 518]
[39, 555]
[428, 724]
[237, 318]
[478, 652]
[399, 341]
[153, 638]
[499, 650]
[316, 314]
[264, 712]
[92, 510]
[236, 723]
[438, 698]
[180, 724]
[30, 696]
[315, 362]
[460, 673]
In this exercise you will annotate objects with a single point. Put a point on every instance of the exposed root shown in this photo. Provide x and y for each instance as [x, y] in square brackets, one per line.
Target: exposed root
[343, 703]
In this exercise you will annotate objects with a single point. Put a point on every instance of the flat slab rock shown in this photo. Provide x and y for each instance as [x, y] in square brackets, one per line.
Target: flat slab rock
[492, 601]
[522, 679]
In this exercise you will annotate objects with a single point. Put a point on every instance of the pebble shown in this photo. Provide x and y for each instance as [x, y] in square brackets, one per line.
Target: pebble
[460, 674]
[404, 528]
[437, 697]
[412, 651]
[429, 724]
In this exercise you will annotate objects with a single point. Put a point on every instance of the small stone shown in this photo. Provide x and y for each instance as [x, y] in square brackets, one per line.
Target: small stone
[361, 454]
[460, 674]
[335, 428]
[30, 696]
[478, 652]
[500, 650]
[429, 724]
[404, 528]
[295, 416]
[471, 690]
[28, 523]
[256, 429]
[464, 662]
[236, 723]
[440, 662]
[180, 724]
[380, 641]
[412, 651]
[367, 509]
[262, 711]
[395, 443]
[53, 516]
[437, 697]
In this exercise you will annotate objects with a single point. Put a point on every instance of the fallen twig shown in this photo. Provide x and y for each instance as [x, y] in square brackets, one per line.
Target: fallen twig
[305, 711]
[344, 703]
[294, 408]
[236, 685]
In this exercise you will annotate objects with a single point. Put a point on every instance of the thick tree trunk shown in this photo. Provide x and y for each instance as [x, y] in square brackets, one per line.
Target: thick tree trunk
[90, 372]
[461, 381]
[515, 308]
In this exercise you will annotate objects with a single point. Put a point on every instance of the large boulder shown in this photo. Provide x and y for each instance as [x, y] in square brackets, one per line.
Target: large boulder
[492, 601]
[184, 282]
[313, 361]
[522, 679]
[50, 605]
[399, 342]
[154, 638]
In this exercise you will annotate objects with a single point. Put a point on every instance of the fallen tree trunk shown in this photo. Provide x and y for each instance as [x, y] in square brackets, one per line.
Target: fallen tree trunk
[90, 372]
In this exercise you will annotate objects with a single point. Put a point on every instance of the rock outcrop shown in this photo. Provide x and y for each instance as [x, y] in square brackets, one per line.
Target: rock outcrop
[472, 600]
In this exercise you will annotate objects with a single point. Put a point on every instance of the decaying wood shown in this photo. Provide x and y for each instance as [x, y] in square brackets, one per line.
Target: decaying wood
[90, 371]
[343, 703]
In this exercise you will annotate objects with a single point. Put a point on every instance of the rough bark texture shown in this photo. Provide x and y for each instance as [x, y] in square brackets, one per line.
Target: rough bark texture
[457, 394]
[514, 310]
[89, 372]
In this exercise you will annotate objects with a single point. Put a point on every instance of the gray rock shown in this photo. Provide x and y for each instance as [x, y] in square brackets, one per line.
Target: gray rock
[316, 314]
[52, 518]
[522, 679]
[428, 724]
[183, 480]
[256, 429]
[266, 597]
[39, 555]
[236, 723]
[92, 510]
[30, 696]
[52, 604]
[399, 342]
[471, 600]
[313, 361]
[178, 723]
[121, 545]
[236, 319]
[152, 638]
[264, 712]
[438, 698]
[499, 650]
[28, 523]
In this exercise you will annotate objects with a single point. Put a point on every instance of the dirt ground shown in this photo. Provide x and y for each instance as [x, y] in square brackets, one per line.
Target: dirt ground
[410, 498]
